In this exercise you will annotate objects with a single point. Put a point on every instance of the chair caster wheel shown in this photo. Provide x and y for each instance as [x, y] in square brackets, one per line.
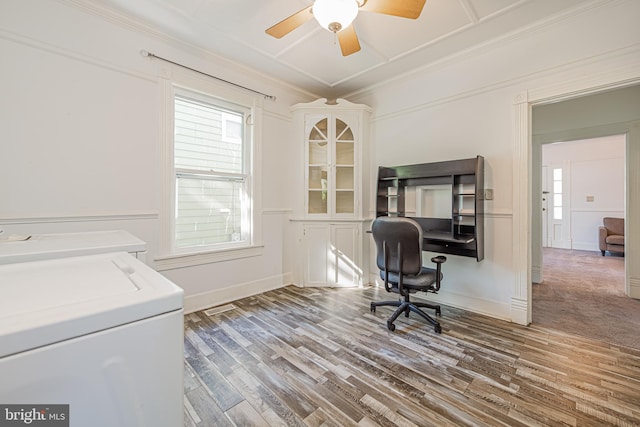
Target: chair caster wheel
[438, 329]
[438, 312]
[373, 308]
[391, 326]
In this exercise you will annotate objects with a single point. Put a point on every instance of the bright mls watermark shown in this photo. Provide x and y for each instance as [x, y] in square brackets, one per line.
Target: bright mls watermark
[34, 415]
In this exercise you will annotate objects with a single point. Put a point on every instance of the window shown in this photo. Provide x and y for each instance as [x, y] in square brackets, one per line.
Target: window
[212, 165]
[557, 194]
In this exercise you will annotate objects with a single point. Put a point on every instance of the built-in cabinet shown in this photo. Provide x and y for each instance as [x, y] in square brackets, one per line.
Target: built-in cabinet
[332, 254]
[446, 198]
[333, 169]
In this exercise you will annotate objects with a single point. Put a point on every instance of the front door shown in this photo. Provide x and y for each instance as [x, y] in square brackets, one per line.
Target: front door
[557, 235]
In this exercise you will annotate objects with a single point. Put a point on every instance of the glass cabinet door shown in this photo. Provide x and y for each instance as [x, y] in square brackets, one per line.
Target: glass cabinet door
[318, 164]
[345, 168]
[331, 156]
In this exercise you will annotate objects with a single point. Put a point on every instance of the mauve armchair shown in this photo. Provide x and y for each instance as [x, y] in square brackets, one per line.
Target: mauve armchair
[611, 235]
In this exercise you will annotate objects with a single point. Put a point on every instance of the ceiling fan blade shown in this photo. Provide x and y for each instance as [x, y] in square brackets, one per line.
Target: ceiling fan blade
[402, 8]
[348, 41]
[289, 24]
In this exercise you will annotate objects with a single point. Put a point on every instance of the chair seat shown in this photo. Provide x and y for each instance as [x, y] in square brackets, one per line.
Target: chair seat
[419, 282]
[615, 240]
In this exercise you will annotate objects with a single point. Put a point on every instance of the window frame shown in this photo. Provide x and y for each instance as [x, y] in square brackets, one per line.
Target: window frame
[169, 255]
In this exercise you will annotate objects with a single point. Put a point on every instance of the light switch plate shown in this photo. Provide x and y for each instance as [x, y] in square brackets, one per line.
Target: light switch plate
[591, 198]
[488, 194]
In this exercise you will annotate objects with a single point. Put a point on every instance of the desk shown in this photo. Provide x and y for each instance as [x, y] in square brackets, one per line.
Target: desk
[443, 236]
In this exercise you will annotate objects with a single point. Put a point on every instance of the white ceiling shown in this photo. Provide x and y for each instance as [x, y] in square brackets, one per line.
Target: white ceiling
[309, 57]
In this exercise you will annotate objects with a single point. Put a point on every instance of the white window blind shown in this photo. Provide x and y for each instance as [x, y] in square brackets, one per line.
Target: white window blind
[212, 173]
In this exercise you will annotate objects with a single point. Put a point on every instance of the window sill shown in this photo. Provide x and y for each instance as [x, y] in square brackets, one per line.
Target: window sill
[170, 262]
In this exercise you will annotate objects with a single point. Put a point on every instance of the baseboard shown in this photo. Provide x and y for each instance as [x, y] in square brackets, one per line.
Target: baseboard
[232, 293]
[585, 246]
[476, 305]
[634, 287]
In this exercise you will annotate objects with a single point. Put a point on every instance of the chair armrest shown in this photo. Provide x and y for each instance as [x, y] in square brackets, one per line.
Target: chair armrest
[439, 259]
[602, 237]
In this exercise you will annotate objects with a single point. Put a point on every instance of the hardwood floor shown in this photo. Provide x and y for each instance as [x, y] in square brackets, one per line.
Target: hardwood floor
[319, 357]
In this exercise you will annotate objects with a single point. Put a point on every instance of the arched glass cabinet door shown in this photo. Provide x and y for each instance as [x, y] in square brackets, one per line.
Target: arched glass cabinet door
[318, 168]
[344, 168]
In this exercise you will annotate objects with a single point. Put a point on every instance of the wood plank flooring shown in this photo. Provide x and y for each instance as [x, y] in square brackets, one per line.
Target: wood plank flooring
[319, 357]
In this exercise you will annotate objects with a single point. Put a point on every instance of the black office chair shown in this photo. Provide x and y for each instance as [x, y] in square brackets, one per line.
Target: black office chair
[399, 258]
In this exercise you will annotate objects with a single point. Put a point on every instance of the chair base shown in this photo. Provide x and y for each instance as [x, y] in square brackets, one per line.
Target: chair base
[406, 307]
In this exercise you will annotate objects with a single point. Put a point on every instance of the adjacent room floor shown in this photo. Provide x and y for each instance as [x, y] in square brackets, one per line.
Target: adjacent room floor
[583, 293]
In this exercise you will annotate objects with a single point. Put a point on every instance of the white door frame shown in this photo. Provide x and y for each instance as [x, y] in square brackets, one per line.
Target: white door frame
[625, 75]
[544, 203]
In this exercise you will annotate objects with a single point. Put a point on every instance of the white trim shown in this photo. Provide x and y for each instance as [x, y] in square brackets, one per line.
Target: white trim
[226, 295]
[453, 299]
[478, 49]
[624, 72]
[634, 287]
[178, 81]
[124, 216]
[329, 221]
[171, 262]
[276, 211]
[520, 308]
[38, 44]
[605, 211]
[585, 246]
[128, 23]
[167, 174]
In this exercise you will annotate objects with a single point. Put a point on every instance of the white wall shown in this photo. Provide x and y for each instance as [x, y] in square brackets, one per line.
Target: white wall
[80, 115]
[464, 106]
[596, 169]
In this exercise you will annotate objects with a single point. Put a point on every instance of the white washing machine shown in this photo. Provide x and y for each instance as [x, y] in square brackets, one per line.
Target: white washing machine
[102, 333]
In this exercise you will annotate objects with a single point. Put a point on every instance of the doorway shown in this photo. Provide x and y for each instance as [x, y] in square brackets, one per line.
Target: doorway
[582, 292]
[619, 114]
[599, 115]
[583, 181]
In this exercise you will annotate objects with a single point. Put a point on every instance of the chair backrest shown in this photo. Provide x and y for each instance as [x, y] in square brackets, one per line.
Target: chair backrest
[397, 231]
[614, 225]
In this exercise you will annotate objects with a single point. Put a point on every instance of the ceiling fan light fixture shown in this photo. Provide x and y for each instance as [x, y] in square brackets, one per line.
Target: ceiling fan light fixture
[335, 15]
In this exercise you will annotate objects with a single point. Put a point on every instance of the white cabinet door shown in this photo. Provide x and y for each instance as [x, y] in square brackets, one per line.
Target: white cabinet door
[332, 254]
[317, 241]
[344, 262]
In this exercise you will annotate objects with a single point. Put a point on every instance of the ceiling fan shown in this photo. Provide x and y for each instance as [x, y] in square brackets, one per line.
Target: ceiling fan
[337, 16]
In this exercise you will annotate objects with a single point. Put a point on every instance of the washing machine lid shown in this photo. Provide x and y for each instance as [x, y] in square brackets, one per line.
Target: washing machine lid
[46, 246]
[44, 302]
